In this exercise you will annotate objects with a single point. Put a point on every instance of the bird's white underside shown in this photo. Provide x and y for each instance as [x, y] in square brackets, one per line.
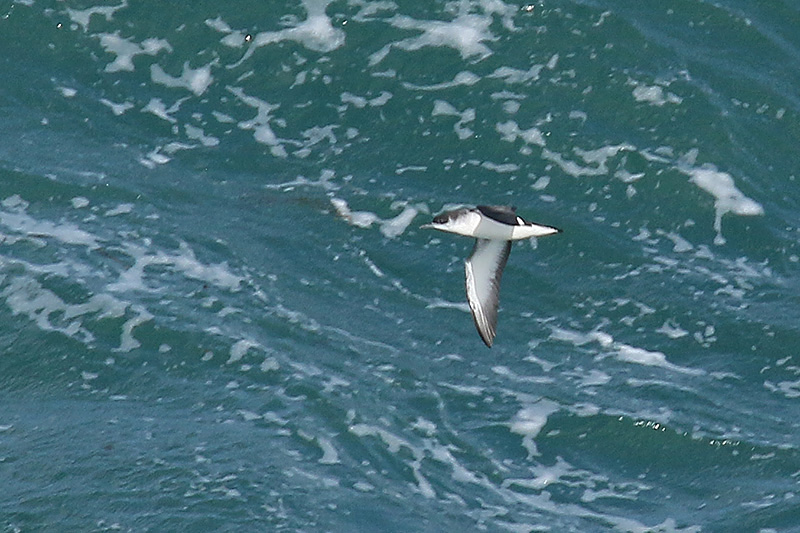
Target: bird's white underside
[473, 224]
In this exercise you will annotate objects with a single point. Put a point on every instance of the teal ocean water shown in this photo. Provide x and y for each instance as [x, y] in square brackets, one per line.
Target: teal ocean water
[218, 312]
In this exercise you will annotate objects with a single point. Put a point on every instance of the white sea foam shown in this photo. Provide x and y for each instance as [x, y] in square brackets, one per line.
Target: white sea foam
[391, 227]
[464, 78]
[394, 445]
[655, 95]
[127, 341]
[222, 118]
[510, 132]
[249, 416]
[727, 198]
[600, 156]
[219, 25]
[394, 227]
[534, 492]
[597, 159]
[83, 16]
[25, 295]
[121, 209]
[543, 476]
[197, 134]
[313, 136]
[154, 157]
[67, 92]
[790, 389]
[329, 454]
[623, 352]
[79, 202]
[541, 183]
[240, 348]
[530, 420]
[360, 102]
[594, 378]
[632, 354]
[681, 244]
[506, 372]
[671, 330]
[628, 177]
[577, 338]
[126, 50]
[440, 107]
[18, 222]
[513, 75]
[316, 32]
[500, 168]
[159, 109]
[438, 303]
[324, 182]
[260, 124]
[466, 34]
[196, 80]
[183, 261]
[410, 168]
[511, 106]
[117, 109]
[269, 364]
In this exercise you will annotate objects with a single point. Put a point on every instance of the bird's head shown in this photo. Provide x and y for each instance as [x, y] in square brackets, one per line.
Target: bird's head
[449, 221]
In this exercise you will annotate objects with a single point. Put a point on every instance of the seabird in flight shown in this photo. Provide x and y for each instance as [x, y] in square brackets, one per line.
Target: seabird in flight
[493, 227]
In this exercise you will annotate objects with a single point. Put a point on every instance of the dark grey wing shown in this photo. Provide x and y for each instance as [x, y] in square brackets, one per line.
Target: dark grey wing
[500, 213]
[484, 269]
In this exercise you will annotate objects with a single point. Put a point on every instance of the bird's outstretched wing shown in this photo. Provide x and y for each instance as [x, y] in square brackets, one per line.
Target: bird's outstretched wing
[484, 269]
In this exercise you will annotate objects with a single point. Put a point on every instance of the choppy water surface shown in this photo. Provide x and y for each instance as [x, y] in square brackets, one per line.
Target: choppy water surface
[219, 314]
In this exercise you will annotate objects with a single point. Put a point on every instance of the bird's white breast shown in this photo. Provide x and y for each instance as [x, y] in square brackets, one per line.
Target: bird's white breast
[488, 228]
[466, 224]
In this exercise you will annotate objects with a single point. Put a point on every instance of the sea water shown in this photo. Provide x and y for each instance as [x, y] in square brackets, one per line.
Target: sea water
[218, 312]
